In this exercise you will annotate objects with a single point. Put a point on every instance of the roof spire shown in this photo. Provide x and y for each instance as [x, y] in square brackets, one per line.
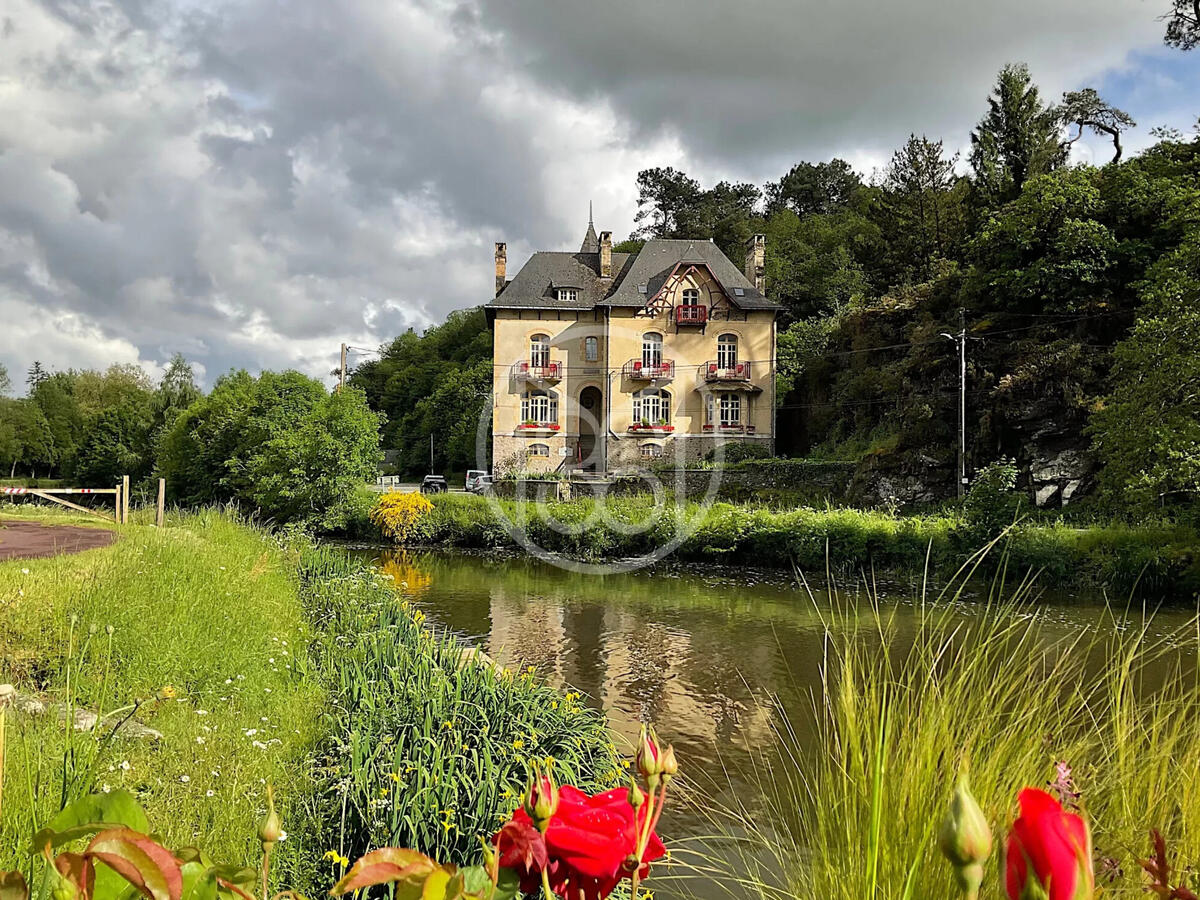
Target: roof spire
[591, 243]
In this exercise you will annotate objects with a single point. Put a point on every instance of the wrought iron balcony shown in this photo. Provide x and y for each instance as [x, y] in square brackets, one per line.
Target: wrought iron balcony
[714, 371]
[637, 370]
[524, 370]
[688, 314]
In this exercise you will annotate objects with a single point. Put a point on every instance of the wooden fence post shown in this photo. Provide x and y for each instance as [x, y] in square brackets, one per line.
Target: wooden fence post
[162, 501]
[117, 510]
[124, 499]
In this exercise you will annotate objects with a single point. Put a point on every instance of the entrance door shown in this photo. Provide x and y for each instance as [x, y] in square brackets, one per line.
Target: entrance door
[590, 455]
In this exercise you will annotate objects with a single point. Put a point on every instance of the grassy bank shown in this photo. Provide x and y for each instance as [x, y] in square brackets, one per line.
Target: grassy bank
[853, 813]
[1162, 559]
[425, 747]
[200, 627]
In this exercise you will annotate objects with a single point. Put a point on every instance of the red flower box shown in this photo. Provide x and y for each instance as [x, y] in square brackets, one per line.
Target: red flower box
[540, 426]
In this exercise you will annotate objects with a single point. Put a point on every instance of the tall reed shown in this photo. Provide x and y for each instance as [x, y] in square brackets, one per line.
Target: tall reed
[853, 795]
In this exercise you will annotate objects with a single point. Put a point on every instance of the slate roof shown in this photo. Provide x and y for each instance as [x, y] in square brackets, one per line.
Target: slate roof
[534, 285]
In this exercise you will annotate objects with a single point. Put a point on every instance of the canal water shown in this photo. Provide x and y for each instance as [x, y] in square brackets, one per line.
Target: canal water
[721, 660]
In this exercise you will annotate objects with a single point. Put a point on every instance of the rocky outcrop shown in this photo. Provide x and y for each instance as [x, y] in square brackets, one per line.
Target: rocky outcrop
[1057, 478]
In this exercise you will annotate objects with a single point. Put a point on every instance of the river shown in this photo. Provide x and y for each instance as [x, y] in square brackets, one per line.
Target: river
[719, 659]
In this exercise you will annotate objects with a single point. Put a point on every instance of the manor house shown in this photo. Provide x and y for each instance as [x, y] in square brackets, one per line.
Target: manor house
[606, 361]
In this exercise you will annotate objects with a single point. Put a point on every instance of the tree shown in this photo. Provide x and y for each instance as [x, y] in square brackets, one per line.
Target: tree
[814, 188]
[25, 438]
[1183, 24]
[813, 264]
[5, 381]
[1048, 251]
[55, 397]
[176, 391]
[1017, 139]
[116, 443]
[664, 197]
[922, 219]
[1148, 431]
[1087, 110]
[36, 375]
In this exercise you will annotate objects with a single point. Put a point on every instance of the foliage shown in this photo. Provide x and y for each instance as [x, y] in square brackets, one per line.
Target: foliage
[194, 630]
[1086, 109]
[432, 386]
[1016, 140]
[1148, 430]
[396, 514]
[737, 451]
[1183, 24]
[1093, 715]
[810, 189]
[428, 745]
[992, 502]
[278, 442]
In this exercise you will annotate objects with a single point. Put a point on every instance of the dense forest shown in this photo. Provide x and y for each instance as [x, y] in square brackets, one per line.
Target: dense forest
[1076, 286]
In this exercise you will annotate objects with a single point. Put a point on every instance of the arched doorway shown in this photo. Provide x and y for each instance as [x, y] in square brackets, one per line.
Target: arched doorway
[590, 452]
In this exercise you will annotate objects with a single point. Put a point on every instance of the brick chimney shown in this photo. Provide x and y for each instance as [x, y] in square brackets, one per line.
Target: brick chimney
[756, 249]
[606, 254]
[501, 266]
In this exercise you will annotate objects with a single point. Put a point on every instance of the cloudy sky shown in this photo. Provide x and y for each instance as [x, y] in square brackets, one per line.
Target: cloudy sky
[251, 183]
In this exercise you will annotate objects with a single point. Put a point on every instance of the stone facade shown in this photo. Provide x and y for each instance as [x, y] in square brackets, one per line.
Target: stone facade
[607, 361]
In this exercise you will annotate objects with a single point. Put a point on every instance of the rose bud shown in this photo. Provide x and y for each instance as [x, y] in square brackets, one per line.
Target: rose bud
[669, 766]
[541, 802]
[965, 839]
[636, 797]
[648, 762]
[1049, 852]
[270, 829]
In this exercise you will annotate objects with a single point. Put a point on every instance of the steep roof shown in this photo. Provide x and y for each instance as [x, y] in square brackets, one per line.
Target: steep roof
[534, 286]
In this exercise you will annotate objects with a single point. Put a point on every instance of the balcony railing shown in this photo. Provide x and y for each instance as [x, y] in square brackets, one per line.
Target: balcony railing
[691, 315]
[714, 371]
[637, 370]
[524, 370]
[729, 428]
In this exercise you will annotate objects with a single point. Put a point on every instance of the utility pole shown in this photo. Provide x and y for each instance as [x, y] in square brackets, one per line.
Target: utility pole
[961, 340]
[342, 370]
[431, 453]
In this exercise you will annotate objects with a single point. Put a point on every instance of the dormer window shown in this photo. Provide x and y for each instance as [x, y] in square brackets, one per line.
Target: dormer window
[567, 295]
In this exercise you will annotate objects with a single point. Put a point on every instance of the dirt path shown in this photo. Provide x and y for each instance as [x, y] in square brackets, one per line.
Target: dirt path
[26, 540]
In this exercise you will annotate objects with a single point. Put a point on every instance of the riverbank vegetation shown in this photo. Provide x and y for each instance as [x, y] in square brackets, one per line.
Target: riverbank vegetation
[1157, 558]
[426, 743]
[1106, 720]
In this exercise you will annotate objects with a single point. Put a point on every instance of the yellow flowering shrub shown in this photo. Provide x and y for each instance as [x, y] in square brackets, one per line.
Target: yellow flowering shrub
[397, 514]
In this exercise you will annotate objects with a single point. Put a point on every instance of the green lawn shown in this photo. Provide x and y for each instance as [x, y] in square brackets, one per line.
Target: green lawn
[204, 610]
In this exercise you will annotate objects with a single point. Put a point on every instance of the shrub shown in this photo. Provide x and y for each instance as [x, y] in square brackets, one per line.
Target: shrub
[397, 514]
[991, 503]
[738, 451]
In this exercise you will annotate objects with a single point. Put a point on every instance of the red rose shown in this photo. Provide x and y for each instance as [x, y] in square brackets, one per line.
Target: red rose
[587, 844]
[1055, 844]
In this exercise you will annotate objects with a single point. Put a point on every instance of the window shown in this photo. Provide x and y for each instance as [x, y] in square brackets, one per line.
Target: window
[539, 351]
[652, 407]
[539, 408]
[652, 350]
[591, 349]
[691, 297]
[537, 450]
[568, 295]
[727, 351]
[731, 410]
[651, 451]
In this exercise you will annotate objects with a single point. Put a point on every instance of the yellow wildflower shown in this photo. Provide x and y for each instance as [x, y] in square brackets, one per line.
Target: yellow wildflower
[167, 693]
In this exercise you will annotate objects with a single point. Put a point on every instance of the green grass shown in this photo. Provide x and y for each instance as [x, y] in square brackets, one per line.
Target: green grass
[1159, 559]
[853, 812]
[206, 606]
[426, 749]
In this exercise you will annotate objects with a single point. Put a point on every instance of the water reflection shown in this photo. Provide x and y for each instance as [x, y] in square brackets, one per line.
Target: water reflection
[716, 659]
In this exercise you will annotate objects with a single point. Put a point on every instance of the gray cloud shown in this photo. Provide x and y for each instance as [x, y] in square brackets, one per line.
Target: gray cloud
[252, 182]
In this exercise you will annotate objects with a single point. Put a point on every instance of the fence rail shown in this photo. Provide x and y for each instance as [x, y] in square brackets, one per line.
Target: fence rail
[120, 494]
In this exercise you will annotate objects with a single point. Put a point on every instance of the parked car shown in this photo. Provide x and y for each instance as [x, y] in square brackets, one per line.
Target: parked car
[434, 484]
[481, 484]
[473, 476]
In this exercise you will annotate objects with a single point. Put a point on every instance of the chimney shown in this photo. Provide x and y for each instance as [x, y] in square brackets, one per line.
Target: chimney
[755, 261]
[501, 266]
[606, 254]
